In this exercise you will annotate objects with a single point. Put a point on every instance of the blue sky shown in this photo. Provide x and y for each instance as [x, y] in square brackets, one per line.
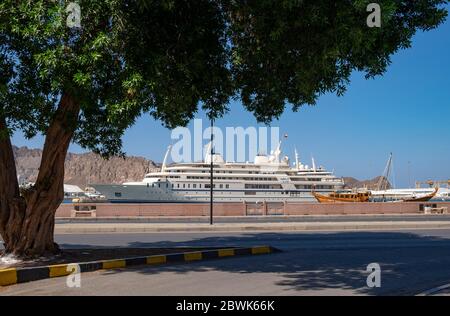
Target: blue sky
[406, 111]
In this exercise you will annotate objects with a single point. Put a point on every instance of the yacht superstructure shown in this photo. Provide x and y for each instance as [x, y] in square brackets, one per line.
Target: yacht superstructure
[268, 178]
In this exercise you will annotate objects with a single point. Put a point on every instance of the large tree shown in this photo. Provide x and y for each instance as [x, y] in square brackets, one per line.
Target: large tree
[167, 58]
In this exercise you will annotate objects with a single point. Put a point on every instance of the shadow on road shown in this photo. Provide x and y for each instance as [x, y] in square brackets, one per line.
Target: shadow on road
[317, 261]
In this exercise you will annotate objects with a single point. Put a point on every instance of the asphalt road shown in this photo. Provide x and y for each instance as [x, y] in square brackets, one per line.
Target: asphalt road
[312, 263]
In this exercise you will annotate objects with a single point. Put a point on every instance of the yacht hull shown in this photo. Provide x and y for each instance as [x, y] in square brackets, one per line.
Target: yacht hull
[148, 194]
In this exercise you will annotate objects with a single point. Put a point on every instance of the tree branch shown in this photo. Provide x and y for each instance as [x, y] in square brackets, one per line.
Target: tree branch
[57, 141]
[9, 185]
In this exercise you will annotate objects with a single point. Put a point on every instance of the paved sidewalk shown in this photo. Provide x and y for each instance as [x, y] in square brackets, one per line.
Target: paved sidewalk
[93, 227]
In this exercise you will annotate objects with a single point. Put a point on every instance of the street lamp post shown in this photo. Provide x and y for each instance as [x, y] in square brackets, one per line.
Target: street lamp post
[211, 176]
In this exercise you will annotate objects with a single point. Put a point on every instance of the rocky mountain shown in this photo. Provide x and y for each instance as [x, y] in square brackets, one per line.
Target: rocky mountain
[351, 183]
[81, 169]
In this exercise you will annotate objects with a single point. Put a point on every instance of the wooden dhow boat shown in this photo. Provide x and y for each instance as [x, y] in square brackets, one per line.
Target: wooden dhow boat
[422, 198]
[342, 197]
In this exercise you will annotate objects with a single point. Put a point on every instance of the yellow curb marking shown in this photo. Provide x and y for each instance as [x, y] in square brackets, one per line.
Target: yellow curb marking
[191, 256]
[113, 264]
[260, 250]
[8, 276]
[226, 252]
[59, 270]
[156, 259]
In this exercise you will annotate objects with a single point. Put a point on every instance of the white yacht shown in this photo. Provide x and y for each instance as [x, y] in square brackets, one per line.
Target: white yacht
[442, 194]
[268, 178]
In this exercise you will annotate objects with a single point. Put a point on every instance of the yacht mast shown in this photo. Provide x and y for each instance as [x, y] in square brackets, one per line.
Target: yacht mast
[277, 152]
[163, 167]
[297, 165]
[383, 181]
[208, 152]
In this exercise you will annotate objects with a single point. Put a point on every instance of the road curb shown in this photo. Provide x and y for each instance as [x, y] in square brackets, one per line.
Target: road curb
[434, 290]
[21, 275]
[321, 226]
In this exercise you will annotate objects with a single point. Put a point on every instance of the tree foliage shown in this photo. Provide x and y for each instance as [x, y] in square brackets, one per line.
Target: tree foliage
[169, 57]
[294, 51]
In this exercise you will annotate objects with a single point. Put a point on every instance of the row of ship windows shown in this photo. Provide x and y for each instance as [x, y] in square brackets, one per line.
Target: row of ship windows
[290, 193]
[233, 178]
[225, 171]
[263, 186]
[237, 178]
[247, 186]
[278, 186]
[219, 171]
[317, 187]
[251, 178]
[194, 185]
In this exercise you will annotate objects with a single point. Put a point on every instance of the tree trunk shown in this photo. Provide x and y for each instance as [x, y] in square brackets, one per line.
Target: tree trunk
[27, 220]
